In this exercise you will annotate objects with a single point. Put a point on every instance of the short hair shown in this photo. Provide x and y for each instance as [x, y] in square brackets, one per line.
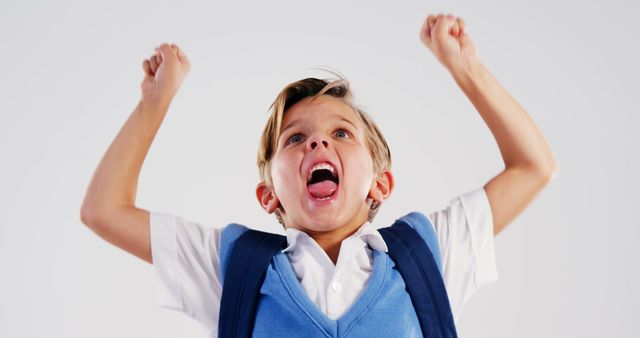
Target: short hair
[314, 88]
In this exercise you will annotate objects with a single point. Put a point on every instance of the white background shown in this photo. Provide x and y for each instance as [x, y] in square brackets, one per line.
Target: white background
[70, 75]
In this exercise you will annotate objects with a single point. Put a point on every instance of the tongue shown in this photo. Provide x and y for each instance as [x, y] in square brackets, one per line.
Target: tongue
[322, 189]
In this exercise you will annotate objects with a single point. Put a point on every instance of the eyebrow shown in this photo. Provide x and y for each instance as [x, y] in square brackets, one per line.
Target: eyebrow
[293, 123]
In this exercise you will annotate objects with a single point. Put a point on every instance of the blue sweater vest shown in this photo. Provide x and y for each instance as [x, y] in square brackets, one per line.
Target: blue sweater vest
[384, 309]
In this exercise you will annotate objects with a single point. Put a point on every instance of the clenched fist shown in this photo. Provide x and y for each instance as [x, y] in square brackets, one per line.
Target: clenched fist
[164, 72]
[446, 36]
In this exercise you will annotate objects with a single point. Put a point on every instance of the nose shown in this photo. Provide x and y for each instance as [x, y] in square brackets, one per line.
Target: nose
[316, 140]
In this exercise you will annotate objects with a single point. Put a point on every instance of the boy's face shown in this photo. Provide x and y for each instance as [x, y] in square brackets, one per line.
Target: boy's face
[322, 170]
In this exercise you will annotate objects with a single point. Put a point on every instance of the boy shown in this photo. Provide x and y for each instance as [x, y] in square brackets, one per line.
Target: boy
[325, 171]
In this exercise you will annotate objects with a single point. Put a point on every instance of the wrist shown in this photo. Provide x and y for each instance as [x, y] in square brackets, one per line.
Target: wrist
[155, 102]
[154, 105]
[469, 74]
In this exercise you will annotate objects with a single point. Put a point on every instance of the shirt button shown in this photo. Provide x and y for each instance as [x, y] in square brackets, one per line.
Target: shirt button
[336, 286]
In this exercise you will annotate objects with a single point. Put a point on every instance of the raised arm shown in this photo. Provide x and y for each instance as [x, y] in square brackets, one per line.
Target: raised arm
[109, 203]
[529, 162]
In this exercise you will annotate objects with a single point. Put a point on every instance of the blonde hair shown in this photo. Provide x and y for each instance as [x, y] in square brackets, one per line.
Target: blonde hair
[314, 88]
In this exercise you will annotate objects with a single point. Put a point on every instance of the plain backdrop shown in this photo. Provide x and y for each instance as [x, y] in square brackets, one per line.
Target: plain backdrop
[69, 77]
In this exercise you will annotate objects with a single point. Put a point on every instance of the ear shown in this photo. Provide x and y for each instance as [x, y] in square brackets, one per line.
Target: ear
[382, 187]
[267, 198]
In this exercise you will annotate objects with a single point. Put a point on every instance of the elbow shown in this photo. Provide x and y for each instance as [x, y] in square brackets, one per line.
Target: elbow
[98, 217]
[552, 169]
[541, 172]
[549, 172]
[547, 169]
[553, 173]
[92, 215]
[88, 215]
[96, 211]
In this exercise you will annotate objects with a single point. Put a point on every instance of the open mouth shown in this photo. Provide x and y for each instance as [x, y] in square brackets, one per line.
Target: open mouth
[323, 181]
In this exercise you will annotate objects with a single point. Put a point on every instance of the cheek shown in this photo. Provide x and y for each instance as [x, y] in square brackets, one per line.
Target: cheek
[363, 170]
[283, 175]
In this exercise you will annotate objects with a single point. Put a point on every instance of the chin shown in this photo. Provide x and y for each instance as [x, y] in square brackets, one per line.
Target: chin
[330, 219]
[321, 222]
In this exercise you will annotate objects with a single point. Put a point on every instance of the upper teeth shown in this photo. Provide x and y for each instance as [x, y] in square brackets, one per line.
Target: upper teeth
[323, 166]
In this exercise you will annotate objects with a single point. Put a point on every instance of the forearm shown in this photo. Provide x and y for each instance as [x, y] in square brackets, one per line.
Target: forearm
[520, 141]
[115, 180]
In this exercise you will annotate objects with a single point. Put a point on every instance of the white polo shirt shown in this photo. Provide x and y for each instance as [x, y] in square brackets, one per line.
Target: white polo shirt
[187, 264]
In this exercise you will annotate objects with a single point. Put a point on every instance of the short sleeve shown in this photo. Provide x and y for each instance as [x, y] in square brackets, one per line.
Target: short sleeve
[187, 268]
[465, 234]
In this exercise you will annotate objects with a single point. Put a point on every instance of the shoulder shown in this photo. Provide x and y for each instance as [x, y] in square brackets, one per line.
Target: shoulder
[229, 236]
[419, 221]
[249, 240]
[423, 226]
[231, 233]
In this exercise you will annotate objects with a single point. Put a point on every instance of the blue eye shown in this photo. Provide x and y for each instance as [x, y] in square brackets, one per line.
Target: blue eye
[342, 133]
[295, 138]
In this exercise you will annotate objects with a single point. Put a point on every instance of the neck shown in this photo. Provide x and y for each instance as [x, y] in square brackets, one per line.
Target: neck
[331, 240]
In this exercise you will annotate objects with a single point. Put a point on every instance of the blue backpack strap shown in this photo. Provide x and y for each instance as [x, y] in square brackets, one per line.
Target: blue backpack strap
[250, 256]
[414, 249]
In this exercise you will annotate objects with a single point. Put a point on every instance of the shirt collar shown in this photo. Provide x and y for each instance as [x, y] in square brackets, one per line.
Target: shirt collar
[367, 233]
